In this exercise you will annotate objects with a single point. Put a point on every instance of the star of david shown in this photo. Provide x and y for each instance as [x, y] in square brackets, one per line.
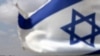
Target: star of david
[70, 28]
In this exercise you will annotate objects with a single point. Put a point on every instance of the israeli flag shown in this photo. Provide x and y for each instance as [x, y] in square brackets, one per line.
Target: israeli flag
[64, 27]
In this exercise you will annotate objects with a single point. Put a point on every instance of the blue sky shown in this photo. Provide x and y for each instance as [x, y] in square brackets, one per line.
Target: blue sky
[2, 1]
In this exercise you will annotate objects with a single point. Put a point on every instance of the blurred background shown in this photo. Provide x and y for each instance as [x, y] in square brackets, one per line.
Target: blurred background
[9, 42]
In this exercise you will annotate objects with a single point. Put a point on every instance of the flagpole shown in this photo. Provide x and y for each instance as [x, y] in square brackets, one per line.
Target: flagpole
[22, 12]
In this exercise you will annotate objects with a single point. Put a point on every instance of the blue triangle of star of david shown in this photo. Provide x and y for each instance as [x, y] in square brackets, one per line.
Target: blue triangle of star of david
[70, 28]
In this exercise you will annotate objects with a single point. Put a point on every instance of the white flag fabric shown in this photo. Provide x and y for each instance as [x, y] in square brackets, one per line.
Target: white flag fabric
[64, 27]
